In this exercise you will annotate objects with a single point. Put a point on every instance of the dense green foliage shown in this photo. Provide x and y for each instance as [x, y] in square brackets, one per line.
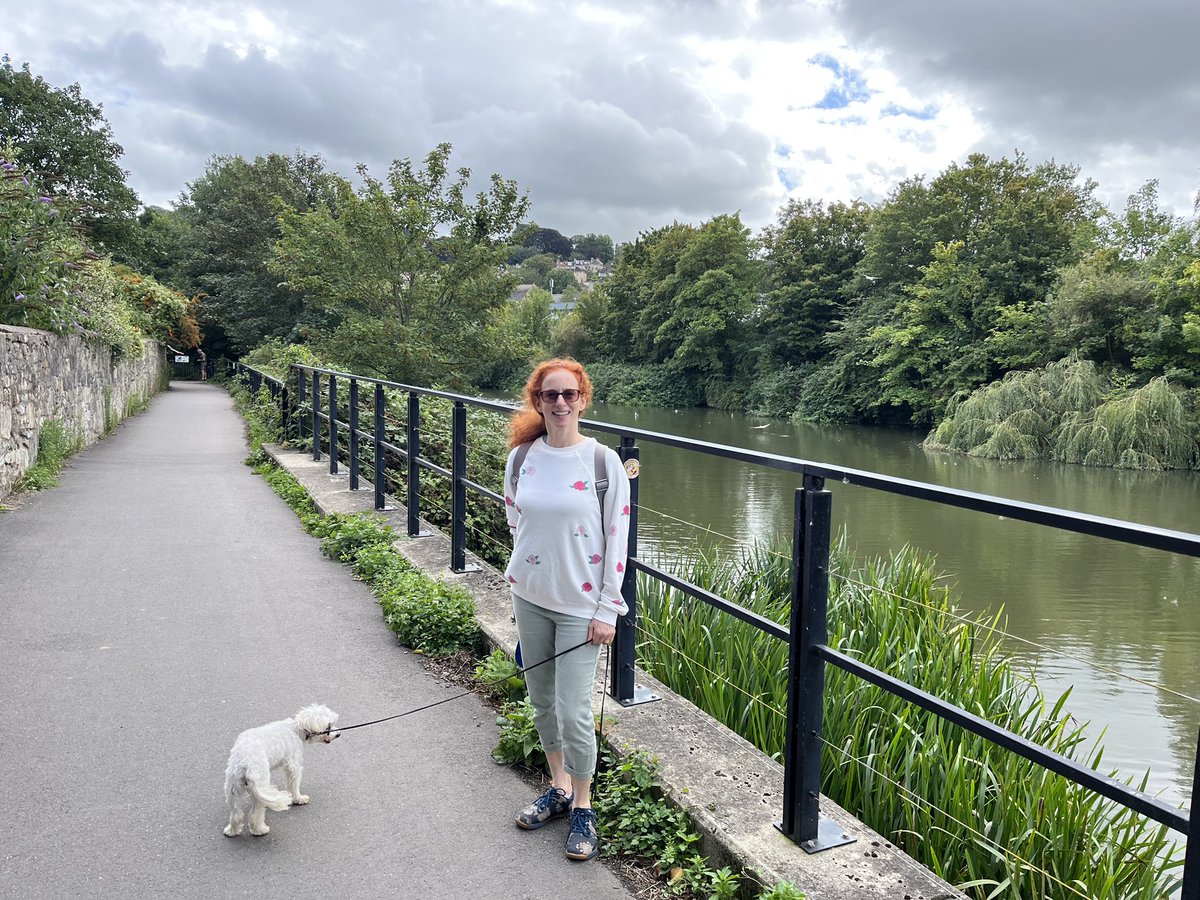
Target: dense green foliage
[977, 815]
[1071, 412]
[50, 279]
[894, 314]
[64, 138]
[227, 226]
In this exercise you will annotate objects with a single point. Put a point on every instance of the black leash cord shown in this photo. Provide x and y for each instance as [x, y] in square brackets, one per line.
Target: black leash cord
[456, 696]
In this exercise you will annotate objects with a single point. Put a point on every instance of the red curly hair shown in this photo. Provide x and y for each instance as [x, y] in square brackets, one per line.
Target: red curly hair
[527, 423]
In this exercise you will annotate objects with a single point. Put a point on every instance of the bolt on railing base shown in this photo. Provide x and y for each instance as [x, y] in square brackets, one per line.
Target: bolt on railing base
[829, 835]
[641, 694]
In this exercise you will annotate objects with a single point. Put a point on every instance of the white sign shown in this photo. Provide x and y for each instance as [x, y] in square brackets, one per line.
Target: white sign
[183, 359]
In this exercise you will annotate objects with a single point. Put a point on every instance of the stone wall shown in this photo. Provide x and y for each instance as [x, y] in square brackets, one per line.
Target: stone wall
[46, 376]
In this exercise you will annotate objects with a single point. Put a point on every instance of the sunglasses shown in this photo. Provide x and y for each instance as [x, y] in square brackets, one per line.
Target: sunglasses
[570, 395]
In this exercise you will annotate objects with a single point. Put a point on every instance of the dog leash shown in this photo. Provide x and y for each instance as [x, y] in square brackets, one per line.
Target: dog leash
[464, 693]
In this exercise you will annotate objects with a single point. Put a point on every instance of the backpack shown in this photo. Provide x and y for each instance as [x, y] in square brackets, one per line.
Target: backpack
[599, 481]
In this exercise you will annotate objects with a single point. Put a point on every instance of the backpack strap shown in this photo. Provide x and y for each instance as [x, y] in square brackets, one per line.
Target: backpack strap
[518, 461]
[599, 466]
[600, 482]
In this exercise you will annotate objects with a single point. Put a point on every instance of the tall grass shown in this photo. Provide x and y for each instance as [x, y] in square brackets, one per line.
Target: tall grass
[978, 816]
[55, 444]
[1069, 412]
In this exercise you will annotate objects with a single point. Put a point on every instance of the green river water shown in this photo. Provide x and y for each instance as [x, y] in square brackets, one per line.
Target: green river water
[1119, 625]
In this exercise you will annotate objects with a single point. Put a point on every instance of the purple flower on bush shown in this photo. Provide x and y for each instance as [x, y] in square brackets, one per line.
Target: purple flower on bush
[19, 297]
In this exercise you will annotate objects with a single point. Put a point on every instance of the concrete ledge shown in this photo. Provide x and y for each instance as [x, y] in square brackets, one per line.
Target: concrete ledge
[732, 792]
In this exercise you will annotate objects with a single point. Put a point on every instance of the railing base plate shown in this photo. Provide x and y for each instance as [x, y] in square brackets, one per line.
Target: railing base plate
[829, 834]
[469, 567]
[641, 694]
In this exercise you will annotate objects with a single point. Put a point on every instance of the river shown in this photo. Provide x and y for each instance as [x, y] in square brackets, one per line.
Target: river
[1118, 625]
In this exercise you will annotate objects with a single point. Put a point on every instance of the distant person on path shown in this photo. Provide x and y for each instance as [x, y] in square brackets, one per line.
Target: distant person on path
[203, 364]
[566, 571]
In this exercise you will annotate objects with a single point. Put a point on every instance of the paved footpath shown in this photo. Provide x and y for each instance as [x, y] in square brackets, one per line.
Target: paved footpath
[160, 600]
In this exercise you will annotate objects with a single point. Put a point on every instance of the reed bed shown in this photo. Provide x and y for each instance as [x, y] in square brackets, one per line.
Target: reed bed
[980, 817]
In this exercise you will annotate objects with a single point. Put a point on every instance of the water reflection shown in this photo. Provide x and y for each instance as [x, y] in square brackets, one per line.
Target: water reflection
[1094, 602]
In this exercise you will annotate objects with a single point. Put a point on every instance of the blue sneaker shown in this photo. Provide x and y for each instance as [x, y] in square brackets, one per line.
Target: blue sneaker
[550, 805]
[582, 840]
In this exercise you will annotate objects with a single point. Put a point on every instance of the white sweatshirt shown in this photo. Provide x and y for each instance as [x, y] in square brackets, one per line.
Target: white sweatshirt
[562, 559]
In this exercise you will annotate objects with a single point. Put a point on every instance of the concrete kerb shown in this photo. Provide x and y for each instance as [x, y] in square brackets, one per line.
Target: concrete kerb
[731, 791]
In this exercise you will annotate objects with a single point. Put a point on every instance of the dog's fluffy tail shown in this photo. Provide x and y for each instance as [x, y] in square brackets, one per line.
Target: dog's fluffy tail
[268, 795]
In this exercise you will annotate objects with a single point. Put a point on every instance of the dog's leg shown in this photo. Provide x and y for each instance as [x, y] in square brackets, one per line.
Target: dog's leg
[236, 818]
[293, 772]
[258, 820]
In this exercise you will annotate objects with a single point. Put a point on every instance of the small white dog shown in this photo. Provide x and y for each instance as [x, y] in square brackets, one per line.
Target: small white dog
[259, 751]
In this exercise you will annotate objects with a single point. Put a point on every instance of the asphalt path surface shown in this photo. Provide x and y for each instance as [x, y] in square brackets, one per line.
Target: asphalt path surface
[160, 600]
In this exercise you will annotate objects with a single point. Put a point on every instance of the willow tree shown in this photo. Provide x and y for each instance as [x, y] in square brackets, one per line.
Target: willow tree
[406, 269]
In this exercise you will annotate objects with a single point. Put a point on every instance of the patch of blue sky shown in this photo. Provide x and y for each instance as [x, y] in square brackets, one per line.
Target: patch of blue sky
[850, 87]
[787, 180]
[784, 151]
[925, 114]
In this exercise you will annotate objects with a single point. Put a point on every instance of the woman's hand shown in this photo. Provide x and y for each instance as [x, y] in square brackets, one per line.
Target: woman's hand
[601, 632]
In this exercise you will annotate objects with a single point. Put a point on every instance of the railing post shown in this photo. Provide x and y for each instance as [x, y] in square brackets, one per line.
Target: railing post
[316, 416]
[284, 413]
[802, 820]
[1190, 890]
[622, 686]
[353, 434]
[333, 429]
[299, 403]
[255, 381]
[414, 470]
[380, 480]
[458, 491]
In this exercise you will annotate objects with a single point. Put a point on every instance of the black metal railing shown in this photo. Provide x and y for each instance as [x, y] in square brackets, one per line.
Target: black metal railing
[806, 636]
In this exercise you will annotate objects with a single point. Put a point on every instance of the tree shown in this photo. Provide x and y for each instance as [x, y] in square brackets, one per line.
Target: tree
[576, 333]
[636, 291]
[704, 304]
[156, 247]
[592, 246]
[984, 239]
[407, 270]
[64, 137]
[810, 256]
[230, 222]
[1166, 339]
[547, 240]
[1094, 307]
[1143, 230]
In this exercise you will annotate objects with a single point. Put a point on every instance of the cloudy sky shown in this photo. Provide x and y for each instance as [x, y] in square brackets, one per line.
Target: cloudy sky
[622, 115]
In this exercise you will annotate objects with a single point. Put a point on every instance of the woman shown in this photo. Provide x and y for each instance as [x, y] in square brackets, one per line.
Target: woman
[566, 571]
